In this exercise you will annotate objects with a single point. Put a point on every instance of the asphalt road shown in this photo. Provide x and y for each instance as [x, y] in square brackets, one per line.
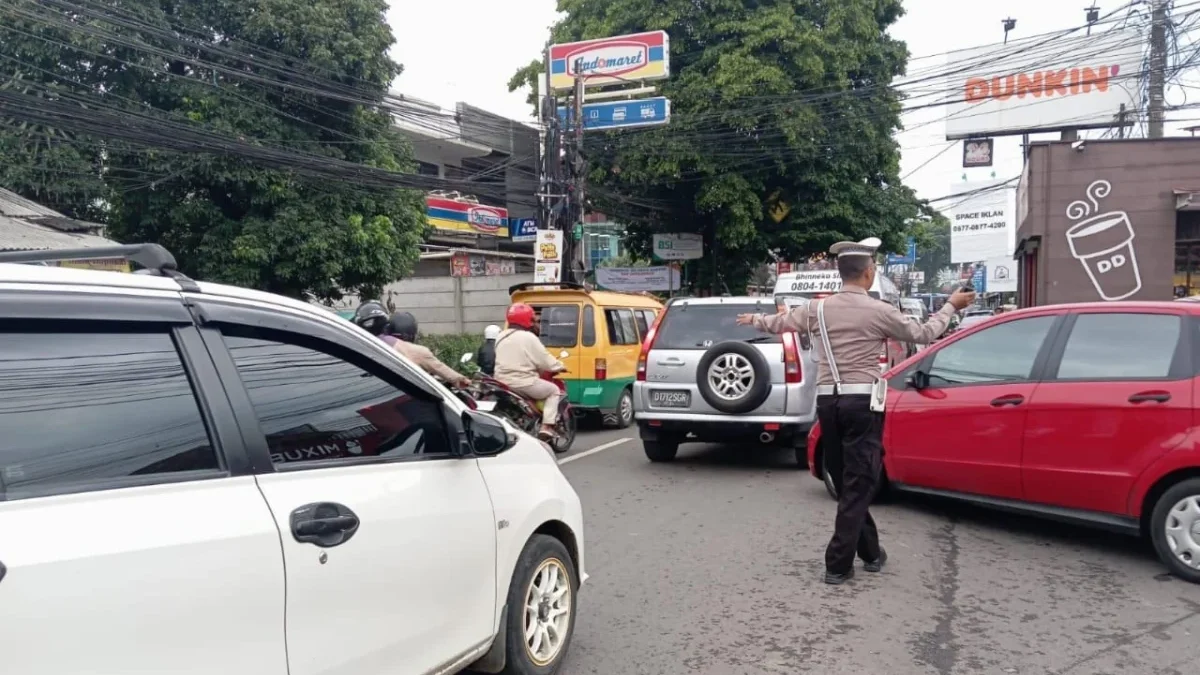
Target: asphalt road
[712, 565]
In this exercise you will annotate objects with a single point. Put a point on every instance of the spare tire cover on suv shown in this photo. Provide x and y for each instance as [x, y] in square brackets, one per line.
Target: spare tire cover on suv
[733, 377]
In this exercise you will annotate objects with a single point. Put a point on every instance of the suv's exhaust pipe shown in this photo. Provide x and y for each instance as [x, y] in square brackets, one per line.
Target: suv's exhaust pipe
[766, 437]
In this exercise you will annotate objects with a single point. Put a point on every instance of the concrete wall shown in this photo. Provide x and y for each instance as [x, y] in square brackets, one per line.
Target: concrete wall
[450, 304]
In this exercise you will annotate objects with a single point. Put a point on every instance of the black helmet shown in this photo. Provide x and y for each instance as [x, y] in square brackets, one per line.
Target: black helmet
[403, 325]
[371, 316]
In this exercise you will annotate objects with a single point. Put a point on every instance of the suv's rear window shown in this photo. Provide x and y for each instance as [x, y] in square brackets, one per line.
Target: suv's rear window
[560, 324]
[701, 326]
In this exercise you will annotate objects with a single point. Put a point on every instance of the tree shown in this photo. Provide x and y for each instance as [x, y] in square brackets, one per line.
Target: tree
[933, 249]
[773, 102]
[244, 69]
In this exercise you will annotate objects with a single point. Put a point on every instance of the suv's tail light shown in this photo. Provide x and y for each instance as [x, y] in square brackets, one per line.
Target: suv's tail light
[792, 372]
[647, 345]
[601, 369]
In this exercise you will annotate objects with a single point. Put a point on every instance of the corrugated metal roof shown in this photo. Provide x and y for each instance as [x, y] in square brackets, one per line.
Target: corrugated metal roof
[27, 225]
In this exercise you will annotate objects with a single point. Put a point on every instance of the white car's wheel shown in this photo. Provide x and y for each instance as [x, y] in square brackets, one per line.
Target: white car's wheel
[541, 608]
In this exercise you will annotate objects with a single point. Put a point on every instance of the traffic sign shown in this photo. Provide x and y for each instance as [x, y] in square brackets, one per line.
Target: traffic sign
[908, 259]
[622, 114]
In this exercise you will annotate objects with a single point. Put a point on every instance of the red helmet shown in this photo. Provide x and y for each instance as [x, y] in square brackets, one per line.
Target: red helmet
[520, 314]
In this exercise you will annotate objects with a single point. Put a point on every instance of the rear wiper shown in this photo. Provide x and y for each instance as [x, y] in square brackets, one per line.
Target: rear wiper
[756, 340]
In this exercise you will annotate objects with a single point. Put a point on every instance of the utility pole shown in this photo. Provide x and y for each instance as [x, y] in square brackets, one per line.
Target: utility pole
[1158, 66]
[548, 186]
[579, 175]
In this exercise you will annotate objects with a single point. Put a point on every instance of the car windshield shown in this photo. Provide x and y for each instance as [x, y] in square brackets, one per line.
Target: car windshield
[699, 326]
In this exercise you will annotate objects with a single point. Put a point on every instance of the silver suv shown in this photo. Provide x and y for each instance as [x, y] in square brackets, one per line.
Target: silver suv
[703, 378]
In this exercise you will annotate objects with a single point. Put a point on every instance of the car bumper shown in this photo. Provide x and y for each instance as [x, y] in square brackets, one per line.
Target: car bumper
[705, 431]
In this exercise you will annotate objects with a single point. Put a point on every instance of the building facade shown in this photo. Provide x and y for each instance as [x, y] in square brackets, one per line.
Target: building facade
[1107, 220]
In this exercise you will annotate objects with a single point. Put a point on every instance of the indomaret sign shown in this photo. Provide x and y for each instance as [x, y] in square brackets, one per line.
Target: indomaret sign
[1034, 85]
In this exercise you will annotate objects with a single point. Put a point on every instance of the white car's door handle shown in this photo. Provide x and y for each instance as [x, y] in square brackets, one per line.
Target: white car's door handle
[671, 362]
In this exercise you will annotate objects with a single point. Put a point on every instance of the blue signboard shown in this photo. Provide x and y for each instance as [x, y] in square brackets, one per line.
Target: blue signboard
[523, 229]
[909, 258]
[622, 114]
[979, 279]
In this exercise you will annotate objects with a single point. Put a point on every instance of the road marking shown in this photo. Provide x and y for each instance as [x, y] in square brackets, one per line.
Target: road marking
[599, 448]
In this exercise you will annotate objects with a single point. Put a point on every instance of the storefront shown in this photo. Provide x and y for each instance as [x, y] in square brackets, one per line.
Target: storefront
[1109, 220]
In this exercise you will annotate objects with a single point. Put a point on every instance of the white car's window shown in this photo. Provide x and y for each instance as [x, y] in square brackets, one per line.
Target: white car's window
[315, 407]
[1003, 353]
[1120, 346]
[86, 411]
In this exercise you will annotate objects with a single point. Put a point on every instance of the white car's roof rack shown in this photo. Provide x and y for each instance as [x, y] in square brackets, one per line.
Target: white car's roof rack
[155, 259]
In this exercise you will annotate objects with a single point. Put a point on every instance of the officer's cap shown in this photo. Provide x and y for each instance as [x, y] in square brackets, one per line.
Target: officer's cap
[868, 247]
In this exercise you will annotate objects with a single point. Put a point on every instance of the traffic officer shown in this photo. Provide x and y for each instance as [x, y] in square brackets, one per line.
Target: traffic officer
[856, 326]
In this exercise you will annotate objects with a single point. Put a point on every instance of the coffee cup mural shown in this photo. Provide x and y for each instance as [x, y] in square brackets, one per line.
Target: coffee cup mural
[1103, 244]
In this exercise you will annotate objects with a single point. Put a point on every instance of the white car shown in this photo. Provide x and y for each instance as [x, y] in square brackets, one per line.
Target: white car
[201, 479]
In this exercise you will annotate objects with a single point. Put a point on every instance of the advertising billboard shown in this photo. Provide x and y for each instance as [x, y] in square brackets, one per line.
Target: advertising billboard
[1036, 85]
[979, 222]
[462, 216]
[548, 260]
[614, 60]
[637, 279]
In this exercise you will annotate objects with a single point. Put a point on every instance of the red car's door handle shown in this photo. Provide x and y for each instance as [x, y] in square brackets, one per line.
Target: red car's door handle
[1156, 396]
[1010, 399]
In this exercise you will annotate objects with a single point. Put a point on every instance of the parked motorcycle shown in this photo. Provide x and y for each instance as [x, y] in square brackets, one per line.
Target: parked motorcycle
[523, 412]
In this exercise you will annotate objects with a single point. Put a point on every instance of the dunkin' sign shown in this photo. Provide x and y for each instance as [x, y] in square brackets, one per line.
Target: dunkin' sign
[1026, 86]
[1042, 83]
[615, 60]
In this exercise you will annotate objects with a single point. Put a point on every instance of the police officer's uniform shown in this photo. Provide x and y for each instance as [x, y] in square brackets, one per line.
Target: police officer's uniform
[857, 327]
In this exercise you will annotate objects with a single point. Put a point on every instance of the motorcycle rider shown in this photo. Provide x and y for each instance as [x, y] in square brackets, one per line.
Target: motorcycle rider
[486, 356]
[521, 359]
[402, 328]
[371, 317]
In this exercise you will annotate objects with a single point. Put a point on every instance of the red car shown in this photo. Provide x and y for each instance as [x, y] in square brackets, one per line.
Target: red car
[1082, 413]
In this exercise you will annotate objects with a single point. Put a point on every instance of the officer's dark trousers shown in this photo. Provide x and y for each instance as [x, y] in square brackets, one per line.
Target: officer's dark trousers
[852, 442]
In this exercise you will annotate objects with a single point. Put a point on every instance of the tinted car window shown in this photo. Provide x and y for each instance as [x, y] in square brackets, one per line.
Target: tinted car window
[1120, 346]
[589, 326]
[559, 324]
[1001, 353]
[91, 410]
[621, 330]
[315, 407]
[643, 324]
[695, 326]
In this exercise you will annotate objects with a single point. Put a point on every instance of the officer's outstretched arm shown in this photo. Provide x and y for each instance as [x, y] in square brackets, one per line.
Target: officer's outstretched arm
[795, 319]
[895, 324]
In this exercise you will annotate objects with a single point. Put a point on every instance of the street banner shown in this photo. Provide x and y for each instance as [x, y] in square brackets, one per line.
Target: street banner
[615, 60]
[979, 222]
[1002, 275]
[678, 246]
[609, 115]
[523, 229]
[636, 279]
[456, 215]
[547, 252]
[1038, 85]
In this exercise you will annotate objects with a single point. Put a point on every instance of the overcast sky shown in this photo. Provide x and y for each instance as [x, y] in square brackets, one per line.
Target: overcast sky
[466, 50]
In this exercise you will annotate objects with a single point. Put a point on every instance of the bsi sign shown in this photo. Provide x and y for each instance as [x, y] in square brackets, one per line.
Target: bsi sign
[679, 246]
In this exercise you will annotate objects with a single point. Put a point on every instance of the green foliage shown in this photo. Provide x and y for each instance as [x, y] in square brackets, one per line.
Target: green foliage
[933, 249]
[450, 347]
[770, 98]
[224, 218]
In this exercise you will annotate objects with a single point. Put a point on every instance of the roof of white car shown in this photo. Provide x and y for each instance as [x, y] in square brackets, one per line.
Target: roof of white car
[99, 280]
[725, 300]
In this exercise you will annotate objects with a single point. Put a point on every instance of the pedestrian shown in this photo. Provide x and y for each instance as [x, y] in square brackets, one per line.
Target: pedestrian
[851, 327]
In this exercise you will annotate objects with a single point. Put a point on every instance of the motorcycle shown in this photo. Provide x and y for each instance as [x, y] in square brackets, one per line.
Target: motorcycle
[523, 412]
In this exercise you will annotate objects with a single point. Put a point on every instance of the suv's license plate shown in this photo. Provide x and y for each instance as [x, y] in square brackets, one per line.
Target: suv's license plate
[670, 399]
